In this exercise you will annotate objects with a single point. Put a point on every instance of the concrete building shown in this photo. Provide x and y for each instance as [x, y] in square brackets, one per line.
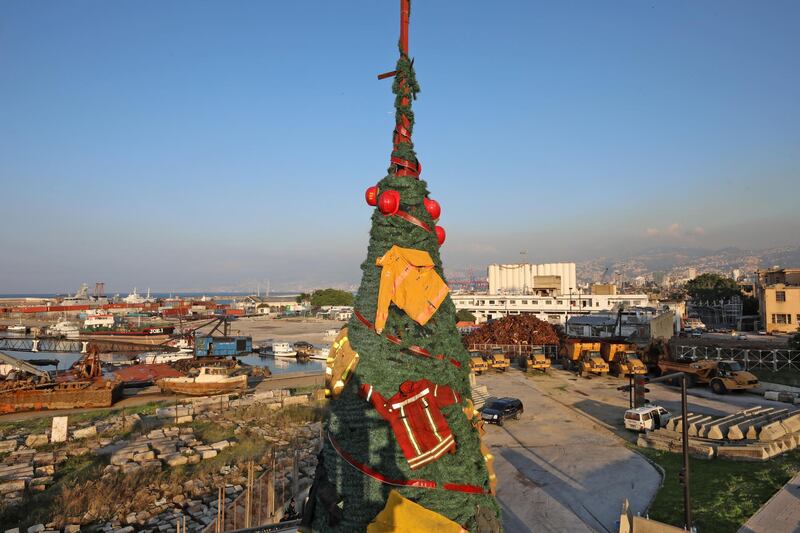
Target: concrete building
[778, 291]
[554, 309]
[523, 278]
[639, 324]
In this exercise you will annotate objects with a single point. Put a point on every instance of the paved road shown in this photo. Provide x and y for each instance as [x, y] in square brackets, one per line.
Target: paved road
[559, 471]
[599, 398]
[781, 514]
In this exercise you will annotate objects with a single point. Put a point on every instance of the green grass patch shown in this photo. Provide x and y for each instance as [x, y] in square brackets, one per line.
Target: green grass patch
[39, 507]
[724, 493]
[211, 432]
[782, 377]
[42, 423]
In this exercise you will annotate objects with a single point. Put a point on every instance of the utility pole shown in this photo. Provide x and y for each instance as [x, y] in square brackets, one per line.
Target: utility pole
[683, 476]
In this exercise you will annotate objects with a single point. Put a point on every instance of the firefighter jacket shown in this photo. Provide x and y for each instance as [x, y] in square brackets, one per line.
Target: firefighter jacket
[341, 362]
[401, 514]
[419, 426]
[409, 280]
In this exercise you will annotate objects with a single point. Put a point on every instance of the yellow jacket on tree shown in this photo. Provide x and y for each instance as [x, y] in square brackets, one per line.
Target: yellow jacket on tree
[409, 280]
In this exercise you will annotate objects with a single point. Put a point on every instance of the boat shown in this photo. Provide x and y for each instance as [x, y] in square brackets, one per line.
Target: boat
[98, 321]
[17, 328]
[279, 349]
[152, 334]
[209, 380]
[64, 328]
[157, 358]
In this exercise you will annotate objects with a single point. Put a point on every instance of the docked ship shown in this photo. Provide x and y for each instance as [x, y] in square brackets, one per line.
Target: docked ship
[64, 328]
[209, 380]
[150, 334]
[279, 349]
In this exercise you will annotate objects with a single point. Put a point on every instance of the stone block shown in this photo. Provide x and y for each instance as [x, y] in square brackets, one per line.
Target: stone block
[121, 457]
[175, 459]
[15, 485]
[58, 432]
[221, 445]
[295, 400]
[44, 458]
[72, 528]
[144, 456]
[38, 439]
[8, 445]
[15, 530]
[129, 468]
[745, 453]
[208, 454]
[85, 433]
[38, 528]
[185, 419]
[46, 470]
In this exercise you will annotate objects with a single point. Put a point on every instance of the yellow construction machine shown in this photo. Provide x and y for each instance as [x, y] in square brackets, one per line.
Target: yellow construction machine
[622, 359]
[476, 363]
[536, 360]
[583, 356]
[498, 360]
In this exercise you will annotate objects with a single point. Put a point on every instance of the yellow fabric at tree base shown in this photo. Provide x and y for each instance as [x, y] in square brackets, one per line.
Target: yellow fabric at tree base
[340, 365]
[410, 281]
[401, 515]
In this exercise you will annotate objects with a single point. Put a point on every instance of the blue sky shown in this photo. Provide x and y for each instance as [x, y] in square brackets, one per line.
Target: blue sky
[196, 145]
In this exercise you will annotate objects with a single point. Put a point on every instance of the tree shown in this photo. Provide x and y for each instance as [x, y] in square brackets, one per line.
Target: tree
[712, 287]
[302, 297]
[364, 456]
[323, 297]
[464, 316]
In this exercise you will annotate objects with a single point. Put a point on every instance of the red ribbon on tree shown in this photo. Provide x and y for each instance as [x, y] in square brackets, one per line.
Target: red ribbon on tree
[417, 483]
[415, 350]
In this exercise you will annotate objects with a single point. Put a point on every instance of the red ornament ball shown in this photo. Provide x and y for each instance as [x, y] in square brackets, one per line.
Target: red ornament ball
[433, 208]
[371, 195]
[441, 235]
[389, 202]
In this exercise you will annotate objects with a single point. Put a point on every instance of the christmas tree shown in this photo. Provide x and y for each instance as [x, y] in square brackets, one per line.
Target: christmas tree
[401, 421]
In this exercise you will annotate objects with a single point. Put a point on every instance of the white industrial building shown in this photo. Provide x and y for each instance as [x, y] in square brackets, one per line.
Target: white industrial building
[555, 309]
[525, 278]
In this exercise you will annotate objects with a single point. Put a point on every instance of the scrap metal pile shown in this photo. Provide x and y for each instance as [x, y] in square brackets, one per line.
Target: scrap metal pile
[754, 434]
[514, 329]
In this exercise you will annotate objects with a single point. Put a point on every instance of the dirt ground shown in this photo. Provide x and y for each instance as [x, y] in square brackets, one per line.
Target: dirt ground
[263, 329]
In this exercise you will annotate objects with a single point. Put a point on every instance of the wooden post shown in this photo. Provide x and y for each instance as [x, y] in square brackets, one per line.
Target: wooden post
[271, 495]
[296, 474]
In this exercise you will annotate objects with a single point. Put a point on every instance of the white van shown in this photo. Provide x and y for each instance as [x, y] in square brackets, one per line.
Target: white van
[645, 418]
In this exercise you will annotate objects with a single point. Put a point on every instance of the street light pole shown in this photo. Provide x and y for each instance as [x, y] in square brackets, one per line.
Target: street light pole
[687, 508]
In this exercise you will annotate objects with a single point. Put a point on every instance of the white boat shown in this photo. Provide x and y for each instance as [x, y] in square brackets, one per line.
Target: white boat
[321, 353]
[17, 328]
[279, 349]
[97, 321]
[64, 328]
[209, 380]
[157, 358]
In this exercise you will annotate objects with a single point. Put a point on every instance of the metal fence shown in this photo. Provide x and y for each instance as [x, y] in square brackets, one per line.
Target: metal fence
[515, 350]
[773, 360]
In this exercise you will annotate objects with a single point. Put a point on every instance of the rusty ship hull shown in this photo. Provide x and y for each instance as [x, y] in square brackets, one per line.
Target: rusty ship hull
[62, 396]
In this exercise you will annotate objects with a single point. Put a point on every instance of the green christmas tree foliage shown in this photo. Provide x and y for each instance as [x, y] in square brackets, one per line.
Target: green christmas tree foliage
[353, 424]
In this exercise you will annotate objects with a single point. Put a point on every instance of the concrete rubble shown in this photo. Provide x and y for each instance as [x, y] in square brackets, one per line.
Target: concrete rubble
[754, 434]
[164, 441]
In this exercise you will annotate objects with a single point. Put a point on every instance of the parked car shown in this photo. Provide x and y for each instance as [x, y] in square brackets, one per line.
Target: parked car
[697, 333]
[646, 418]
[498, 410]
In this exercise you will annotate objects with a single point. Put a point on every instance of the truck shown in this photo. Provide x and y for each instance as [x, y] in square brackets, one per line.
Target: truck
[476, 363]
[592, 362]
[622, 359]
[535, 360]
[498, 360]
[721, 376]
